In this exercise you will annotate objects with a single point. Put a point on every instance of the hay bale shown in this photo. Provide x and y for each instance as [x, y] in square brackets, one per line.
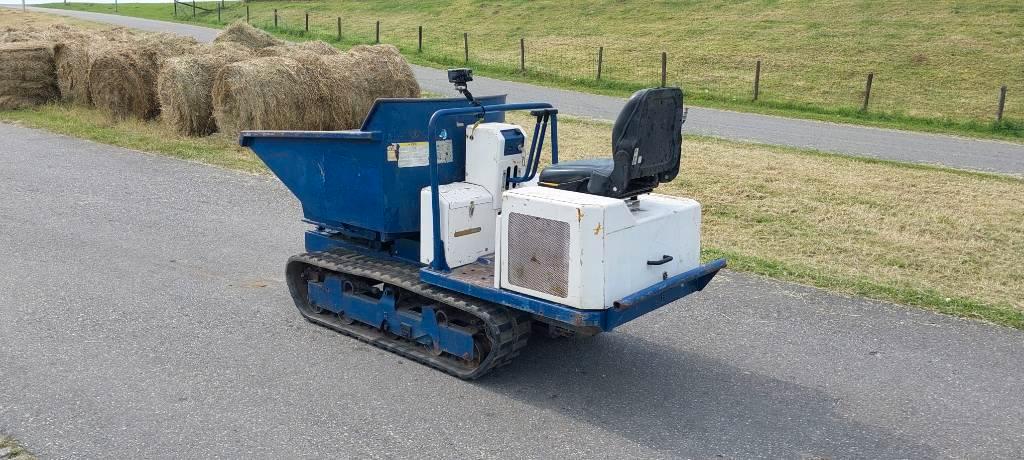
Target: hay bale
[264, 93]
[243, 34]
[318, 47]
[71, 58]
[327, 93]
[185, 87]
[118, 34]
[384, 64]
[305, 51]
[10, 35]
[122, 77]
[27, 75]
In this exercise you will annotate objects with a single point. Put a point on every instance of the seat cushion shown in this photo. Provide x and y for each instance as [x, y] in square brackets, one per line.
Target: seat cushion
[574, 175]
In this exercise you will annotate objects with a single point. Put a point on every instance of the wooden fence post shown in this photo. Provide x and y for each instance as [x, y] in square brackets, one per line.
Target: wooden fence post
[246, 14]
[378, 32]
[1002, 103]
[664, 67]
[757, 79]
[465, 41]
[175, 6]
[419, 40]
[867, 92]
[600, 61]
[275, 18]
[522, 55]
[339, 28]
[193, 9]
[307, 22]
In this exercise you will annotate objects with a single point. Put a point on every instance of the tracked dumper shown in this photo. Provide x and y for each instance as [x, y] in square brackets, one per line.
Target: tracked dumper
[435, 235]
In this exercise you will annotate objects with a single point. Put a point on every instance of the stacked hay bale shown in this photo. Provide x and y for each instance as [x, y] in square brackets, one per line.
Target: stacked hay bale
[264, 93]
[185, 83]
[122, 77]
[330, 92]
[185, 87]
[12, 35]
[386, 66]
[27, 74]
[248, 36]
[304, 51]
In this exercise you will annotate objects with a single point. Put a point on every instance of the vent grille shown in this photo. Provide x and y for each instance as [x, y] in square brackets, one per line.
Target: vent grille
[538, 254]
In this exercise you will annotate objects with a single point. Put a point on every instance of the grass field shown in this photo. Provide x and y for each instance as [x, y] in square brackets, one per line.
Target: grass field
[938, 65]
[14, 450]
[941, 239]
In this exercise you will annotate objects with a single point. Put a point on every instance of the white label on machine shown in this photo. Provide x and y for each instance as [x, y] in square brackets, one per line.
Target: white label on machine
[414, 154]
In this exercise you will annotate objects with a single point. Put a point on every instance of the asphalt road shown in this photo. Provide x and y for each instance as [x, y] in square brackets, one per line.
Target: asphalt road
[143, 314]
[957, 152]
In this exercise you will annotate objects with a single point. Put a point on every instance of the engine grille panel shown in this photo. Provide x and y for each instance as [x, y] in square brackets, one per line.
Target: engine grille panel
[538, 254]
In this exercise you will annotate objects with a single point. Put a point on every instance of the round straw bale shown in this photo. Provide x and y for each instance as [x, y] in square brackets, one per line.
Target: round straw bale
[15, 35]
[71, 56]
[185, 87]
[318, 47]
[72, 60]
[385, 65]
[265, 93]
[122, 76]
[305, 52]
[118, 34]
[27, 75]
[246, 35]
[315, 47]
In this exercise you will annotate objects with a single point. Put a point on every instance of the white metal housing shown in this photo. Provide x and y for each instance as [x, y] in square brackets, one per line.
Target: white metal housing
[587, 251]
[491, 159]
[467, 223]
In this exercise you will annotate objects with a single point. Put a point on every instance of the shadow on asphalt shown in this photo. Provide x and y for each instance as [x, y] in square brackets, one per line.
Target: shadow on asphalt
[683, 403]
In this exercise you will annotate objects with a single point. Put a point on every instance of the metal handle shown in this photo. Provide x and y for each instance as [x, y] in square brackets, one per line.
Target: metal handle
[664, 260]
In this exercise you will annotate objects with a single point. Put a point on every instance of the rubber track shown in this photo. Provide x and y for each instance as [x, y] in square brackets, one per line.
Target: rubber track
[507, 329]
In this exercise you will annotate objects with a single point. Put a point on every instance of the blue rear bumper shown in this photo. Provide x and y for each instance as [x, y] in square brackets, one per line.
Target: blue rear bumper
[623, 311]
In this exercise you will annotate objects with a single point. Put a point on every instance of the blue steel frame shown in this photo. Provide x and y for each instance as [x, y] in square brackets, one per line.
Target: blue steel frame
[623, 311]
[336, 295]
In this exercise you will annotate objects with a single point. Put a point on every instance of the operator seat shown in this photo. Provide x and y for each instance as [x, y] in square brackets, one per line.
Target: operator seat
[646, 146]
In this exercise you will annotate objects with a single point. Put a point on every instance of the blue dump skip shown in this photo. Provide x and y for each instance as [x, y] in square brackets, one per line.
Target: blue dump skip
[354, 181]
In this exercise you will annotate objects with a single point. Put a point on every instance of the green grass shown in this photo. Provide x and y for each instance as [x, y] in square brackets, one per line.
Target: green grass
[937, 65]
[937, 238]
[17, 452]
[92, 124]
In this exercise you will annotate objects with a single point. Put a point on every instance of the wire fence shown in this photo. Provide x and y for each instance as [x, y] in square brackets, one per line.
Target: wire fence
[565, 60]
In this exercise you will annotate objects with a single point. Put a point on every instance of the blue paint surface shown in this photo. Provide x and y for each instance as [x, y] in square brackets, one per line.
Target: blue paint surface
[343, 179]
[623, 311]
[418, 323]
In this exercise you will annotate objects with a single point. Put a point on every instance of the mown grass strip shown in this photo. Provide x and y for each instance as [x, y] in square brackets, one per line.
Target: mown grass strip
[925, 298]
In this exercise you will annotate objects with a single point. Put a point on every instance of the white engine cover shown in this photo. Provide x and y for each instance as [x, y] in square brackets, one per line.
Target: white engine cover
[494, 152]
[467, 223]
[587, 251]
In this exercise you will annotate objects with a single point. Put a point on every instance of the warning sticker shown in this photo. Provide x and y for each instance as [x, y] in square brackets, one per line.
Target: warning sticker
[414, 154]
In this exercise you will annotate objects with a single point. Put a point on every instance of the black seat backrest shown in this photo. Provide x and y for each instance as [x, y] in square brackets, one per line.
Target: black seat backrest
[646, 144]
